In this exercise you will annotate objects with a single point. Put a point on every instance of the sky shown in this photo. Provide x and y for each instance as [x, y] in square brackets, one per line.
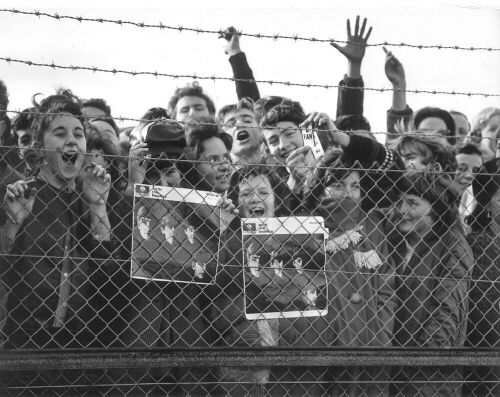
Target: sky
[131, 48]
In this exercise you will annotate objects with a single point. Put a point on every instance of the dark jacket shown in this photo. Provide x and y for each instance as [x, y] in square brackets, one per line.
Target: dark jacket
[432, 291]
[52, 272]
[242, 71]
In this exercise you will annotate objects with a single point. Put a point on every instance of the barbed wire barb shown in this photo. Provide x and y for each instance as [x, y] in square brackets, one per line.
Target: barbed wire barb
[116, 71]
[274, 37]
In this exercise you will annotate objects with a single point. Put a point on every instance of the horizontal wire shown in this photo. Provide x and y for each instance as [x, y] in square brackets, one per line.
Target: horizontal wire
[194, 76]
[358, 167]
[219, 32]
[220, 124]
[330, 273]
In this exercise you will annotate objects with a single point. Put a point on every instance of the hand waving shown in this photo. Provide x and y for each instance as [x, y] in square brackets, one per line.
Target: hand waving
[354, 50]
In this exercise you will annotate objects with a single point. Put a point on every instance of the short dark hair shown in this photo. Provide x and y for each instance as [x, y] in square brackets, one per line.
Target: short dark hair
[155, 113]
[437, 189]
[264, 105]
[23, 122]
[100, 141]
[352, 122]
[286, 111]
[484, 186]
[469, 149]
[98, 103]
[200, 129]
[280, 189]
[439, 113]
[64, 101]
[107, 120]
[333, 166]
[4, 99]
[243, 103]
[193, 89]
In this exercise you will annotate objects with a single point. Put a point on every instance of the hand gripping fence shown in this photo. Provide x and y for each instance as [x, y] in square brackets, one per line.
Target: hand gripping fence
[183, 275]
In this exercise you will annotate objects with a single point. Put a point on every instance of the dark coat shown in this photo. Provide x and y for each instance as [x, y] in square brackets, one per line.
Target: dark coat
[432, 293]
[52, 272]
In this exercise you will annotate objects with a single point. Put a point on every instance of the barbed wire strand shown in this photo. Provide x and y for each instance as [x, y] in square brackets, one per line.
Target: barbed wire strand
[416, 133]
[275, 37]
[194, 76]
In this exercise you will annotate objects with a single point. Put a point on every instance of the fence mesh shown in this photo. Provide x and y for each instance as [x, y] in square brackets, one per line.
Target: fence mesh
[361, 258]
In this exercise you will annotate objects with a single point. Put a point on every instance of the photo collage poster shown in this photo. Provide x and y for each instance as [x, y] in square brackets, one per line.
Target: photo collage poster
[171, 239]
[284, 267]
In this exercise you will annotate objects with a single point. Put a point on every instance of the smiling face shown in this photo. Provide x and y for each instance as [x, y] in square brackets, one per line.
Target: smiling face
[243, 127]
[347, 188]
[415, 215]
[256, 197]
[283, 139]
[65, 145]
[189, 106]
[215, 164]
[413, 160]
[468, 165]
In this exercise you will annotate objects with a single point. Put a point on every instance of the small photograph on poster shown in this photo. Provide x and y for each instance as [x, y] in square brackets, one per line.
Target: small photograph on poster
[284, 267]
[172, 240]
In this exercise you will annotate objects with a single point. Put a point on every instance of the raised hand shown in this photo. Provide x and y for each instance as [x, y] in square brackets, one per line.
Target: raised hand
[96, 185]
[394, 70]
[233, 41]
[18, 201]
[137, 164]
[319, 120]
[354, 50]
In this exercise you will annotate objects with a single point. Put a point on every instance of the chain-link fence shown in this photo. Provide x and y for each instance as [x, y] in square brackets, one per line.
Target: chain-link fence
[184, 273]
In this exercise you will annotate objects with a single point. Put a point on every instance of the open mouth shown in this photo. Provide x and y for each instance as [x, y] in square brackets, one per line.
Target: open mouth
[242, 135]
[256, 212]
[69, 158]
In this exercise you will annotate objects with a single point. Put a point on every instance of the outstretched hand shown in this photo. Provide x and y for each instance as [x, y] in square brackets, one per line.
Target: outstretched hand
[354, 50]
[394, 70]
[232, 37]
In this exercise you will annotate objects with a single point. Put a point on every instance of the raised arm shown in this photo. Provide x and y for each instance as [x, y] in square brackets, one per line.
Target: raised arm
[350, 97]
[239, 64]
[400, 114]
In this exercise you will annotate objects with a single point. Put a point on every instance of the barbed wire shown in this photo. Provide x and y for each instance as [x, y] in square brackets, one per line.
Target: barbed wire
[358, 166]
[194, 76]
[427, 134]
[180, 29]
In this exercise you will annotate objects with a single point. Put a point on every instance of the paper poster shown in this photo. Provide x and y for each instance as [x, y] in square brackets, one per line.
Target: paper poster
[284, 267]
[172, 240]
[311, 139]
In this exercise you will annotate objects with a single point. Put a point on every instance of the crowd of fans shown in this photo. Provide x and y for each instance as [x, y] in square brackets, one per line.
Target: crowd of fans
[422, 270]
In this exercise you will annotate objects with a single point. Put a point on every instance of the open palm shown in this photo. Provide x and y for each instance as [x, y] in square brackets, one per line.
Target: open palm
[354, 50]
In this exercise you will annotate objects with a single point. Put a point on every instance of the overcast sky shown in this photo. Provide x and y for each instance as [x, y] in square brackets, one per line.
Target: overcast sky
[131, 48]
